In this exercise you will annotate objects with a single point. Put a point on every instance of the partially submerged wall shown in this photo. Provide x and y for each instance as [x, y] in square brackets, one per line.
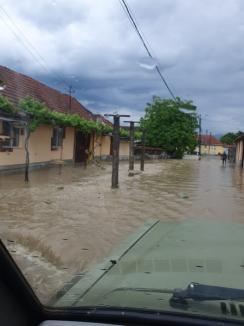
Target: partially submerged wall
[40, 149]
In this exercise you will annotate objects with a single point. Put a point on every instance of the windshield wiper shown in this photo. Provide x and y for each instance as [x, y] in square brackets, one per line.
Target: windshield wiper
[194, 291]
[202, 292]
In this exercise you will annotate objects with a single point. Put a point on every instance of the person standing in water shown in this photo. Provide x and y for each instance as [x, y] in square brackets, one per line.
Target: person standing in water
[224, 158]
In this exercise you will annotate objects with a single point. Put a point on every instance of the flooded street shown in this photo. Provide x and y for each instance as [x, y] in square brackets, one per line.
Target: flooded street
[68, 218]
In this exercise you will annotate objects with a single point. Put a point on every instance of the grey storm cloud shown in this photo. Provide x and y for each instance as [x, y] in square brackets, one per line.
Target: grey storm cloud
[92, 46]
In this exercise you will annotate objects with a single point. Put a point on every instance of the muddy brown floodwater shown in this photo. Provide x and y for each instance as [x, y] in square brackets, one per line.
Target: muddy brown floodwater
[68, 218]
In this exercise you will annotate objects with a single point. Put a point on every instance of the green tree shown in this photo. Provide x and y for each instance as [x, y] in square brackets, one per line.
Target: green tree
[170, 128]
[230, 137]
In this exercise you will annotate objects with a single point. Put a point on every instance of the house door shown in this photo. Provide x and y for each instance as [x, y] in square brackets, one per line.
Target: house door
[82, 143]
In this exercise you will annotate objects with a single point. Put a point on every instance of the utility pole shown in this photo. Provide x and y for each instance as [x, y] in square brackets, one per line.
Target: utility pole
[142, 150]
[115, 150]
[200, 136]
[132, 139]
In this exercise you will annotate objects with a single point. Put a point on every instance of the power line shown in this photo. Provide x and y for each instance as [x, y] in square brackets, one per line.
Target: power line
[27, 44]
[129, 15]
[136, 21]
[19, 39]
[132, 24]
[21, 32]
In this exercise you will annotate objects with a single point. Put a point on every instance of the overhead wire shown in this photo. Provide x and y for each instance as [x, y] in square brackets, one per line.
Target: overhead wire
[20, 40]
[27, 44]
[136, 22]
[144, 36]
[136, 28]
[42, 62]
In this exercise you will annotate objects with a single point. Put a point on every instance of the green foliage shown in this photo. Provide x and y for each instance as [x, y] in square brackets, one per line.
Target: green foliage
[125, 133]
[38, 113]
[169, 128]
[6, 106]
[230, 137]
[138, 134]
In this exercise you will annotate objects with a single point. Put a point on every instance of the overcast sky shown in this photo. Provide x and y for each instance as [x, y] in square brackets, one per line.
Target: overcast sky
[91, 45]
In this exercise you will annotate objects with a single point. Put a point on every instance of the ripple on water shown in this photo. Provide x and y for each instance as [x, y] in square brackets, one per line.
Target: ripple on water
[79, 206]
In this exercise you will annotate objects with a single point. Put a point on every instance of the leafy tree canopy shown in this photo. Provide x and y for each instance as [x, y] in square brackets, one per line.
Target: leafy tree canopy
[171, 125]
[230, 137]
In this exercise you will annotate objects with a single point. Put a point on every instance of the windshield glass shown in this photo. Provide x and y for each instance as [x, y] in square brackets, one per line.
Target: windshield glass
[122, 150]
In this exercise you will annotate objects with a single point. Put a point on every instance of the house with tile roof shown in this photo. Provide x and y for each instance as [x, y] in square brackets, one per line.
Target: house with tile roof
[48, 143]
[210, 145]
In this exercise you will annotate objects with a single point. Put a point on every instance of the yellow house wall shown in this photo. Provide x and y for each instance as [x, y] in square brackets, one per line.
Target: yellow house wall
[106, 143]
[97, 145]
[40, 148]
[15, 157]
[40, 145]
[102, 145]
[239, 149]
[124, 148]
[68, 144]
[212, 150]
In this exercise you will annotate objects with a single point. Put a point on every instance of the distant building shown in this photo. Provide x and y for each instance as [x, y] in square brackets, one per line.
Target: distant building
[211, 145]
[239, 150]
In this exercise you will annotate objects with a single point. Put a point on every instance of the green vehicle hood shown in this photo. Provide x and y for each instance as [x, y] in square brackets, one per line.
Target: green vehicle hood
[165, 255]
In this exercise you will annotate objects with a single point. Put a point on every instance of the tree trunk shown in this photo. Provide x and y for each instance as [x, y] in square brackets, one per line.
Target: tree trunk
[27, 154]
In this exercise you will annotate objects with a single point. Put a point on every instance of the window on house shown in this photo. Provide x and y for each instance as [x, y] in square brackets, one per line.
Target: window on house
[15, 140]
[10, 134]
[5, 128]
[57, 137]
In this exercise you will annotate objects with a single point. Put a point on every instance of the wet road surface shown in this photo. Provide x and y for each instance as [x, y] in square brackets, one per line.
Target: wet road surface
[68, 218]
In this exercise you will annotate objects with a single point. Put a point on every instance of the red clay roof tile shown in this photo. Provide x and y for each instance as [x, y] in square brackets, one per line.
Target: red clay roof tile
[103, 120]
[18, 86]
[210, 140]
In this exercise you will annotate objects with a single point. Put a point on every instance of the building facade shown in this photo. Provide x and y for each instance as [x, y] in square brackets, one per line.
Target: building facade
[47, 144]
[43, 148]
[211, 145]
[239, 154]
